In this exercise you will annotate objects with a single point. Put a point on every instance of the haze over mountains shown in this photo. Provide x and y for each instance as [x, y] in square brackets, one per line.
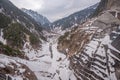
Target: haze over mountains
[67, 22]
[75, 18]
[53, 9]
[37, 17]
[82, 46]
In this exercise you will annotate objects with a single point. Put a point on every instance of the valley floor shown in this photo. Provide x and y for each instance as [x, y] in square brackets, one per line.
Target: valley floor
[47, 64]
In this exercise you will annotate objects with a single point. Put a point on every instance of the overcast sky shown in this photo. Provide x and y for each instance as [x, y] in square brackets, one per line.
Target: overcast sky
[54, 9]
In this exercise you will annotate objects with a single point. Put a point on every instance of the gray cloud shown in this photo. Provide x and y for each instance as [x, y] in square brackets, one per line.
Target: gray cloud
[54, 9]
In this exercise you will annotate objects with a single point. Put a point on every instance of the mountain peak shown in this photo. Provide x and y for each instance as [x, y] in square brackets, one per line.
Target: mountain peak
[36, 16]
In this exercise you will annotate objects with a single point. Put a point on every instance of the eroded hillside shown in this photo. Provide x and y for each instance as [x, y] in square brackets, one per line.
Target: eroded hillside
[89, 51]
[95, 57]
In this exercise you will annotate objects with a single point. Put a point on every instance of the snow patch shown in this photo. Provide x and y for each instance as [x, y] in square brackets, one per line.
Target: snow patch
[1, 37]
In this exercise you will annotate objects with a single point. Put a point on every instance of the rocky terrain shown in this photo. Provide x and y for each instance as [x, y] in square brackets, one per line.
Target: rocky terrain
[95, 54]
[17, 28]
[87, 51]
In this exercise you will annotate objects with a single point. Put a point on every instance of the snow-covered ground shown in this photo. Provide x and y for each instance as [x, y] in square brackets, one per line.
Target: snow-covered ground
[51, 65]
[47, 63]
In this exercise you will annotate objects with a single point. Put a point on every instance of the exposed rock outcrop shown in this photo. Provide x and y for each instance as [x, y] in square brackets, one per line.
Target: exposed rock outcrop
[99, 57]
[107, 5]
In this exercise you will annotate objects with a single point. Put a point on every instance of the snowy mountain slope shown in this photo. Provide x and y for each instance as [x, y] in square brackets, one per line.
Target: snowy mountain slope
[37, 17]
[90, 51]
[39, 63]
[98, 60]
[17, 28]
[47, 63]
[10, 66]
[98, 57]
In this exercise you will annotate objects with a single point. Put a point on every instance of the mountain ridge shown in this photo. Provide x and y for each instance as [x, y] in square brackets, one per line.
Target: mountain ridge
[75, 18]
[36, 16]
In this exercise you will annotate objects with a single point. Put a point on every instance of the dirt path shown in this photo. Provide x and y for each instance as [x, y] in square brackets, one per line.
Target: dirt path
[50, 49]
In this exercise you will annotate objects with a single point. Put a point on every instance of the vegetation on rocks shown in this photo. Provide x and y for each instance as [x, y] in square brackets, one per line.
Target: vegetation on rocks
[4, 21]
[15, 35]
[63, 37]
[5, 49]
[33, 39]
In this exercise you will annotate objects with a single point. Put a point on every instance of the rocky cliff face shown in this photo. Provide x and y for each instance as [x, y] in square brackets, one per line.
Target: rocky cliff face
[113, 4]
[99, 60]
[95, 57]
[107, 5]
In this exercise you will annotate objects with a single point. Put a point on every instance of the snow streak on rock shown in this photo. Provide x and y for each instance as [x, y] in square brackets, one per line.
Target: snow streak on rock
[99, 58]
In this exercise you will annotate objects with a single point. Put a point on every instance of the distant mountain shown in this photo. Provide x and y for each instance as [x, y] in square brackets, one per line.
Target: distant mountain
[67, 22]
[74, 19]
[37, 17]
